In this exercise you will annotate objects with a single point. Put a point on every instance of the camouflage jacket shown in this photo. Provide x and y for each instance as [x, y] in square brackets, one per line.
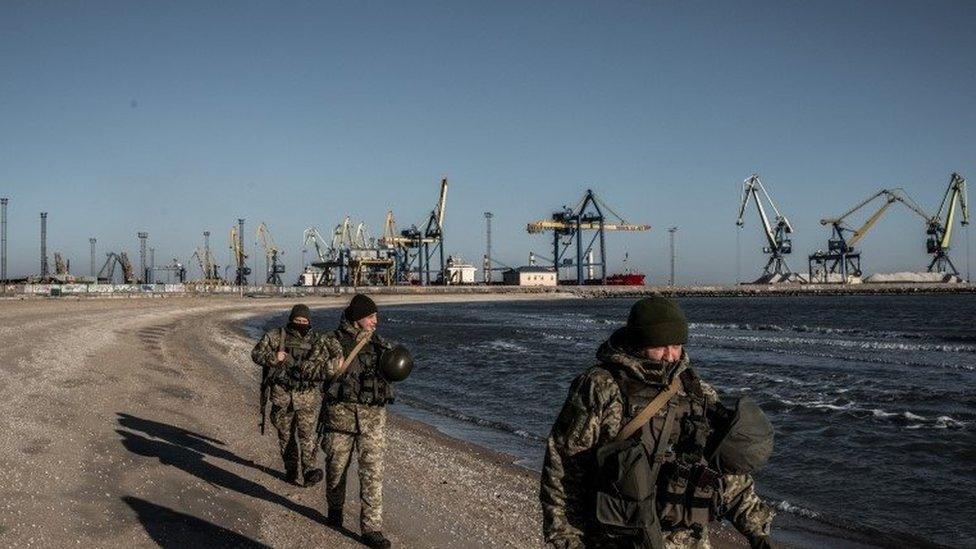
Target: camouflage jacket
[591, 417]
[347, 334]
[302, 368]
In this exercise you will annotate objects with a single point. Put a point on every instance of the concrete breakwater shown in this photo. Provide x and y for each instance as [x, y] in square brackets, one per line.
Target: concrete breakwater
[21, 291]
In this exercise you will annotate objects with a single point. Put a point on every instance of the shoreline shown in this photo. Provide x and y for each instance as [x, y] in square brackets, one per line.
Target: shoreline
[127, 291]
[153, 440]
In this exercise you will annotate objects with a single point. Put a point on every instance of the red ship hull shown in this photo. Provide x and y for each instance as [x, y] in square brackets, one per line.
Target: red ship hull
[628, 279]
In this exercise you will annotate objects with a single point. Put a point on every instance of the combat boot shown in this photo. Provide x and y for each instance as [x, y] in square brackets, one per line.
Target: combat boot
[293, 476]
[313, 477]
[335, 518]
[375, 540]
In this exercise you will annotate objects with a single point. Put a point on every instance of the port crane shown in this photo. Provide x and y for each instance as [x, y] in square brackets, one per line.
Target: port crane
[209, 270]
[940, 225]
[273, 267]
[176, 268]
[107, 273]
[841, 256]
[237, 248]
[778, 243]
[61, 266]
[568, 226]
[414, 247]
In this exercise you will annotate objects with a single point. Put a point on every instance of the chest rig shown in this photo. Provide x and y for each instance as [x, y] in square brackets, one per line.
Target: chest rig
[361, 382]
[299, 348]
[657, 480]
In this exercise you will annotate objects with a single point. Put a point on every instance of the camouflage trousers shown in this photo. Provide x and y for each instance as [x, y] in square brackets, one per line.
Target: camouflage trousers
[686, 539]
[295, 414]
[356, 427]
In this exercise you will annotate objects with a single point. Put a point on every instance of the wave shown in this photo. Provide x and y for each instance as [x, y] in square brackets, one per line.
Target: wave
[915, 421]
[504, 345]
[872, 358]
[803, 328]
[445, 411]
[847, 343]
[788, 507]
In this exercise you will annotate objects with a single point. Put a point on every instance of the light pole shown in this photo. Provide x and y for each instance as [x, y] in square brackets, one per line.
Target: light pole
[671, 232]
[487, 273]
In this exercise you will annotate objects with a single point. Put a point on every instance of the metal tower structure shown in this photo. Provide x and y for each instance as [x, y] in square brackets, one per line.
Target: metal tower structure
[237, 247]
[143, 273]
[3, 239]
[777, 239]
[671, 232]
[940, 225]
[568, 226]
[44, 270]
[92, 241]
[487, 266]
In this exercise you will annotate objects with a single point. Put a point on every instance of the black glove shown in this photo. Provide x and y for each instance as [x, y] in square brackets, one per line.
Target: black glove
[762, 542]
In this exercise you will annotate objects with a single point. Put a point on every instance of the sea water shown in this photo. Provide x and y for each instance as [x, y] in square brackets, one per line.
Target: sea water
[873, 398]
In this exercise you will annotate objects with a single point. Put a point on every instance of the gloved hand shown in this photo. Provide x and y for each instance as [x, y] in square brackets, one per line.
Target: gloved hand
[762, 542]
[334, 347]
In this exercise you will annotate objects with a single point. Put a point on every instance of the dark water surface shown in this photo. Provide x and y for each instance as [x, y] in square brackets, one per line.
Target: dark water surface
[872, 397]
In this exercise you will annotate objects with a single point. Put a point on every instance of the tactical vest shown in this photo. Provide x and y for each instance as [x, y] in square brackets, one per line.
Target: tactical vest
[361, 382]
[658, 480]
[299, 348]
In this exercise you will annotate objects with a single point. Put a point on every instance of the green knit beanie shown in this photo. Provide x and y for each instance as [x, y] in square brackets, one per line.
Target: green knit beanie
[656, 321]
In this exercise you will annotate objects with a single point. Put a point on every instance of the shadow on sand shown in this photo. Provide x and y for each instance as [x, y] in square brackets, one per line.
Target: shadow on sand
[171, 528]
[187, 451]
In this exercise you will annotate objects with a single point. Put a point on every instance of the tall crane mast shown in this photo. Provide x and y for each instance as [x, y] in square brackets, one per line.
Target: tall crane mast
[777, 239]
[941, 224]
[237, 248]
[842, 257]
[273, 267]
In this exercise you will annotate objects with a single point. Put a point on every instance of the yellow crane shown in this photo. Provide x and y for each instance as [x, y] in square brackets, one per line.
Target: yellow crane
[414, 247]
[273, 267]
[237, 248]
[940, 225]
[842, 257]
[568, 225]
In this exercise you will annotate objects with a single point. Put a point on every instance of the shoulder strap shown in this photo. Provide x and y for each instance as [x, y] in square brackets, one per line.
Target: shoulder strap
[649, 411]
[281, 339]
[352, 354]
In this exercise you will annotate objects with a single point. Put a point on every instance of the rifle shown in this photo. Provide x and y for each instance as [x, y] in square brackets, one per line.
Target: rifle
[266, 381]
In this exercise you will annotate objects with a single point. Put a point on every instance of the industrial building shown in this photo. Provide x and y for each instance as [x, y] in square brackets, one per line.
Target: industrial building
[530, 276]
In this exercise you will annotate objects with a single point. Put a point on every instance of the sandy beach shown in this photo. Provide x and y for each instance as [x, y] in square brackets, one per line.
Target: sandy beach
[133, 422]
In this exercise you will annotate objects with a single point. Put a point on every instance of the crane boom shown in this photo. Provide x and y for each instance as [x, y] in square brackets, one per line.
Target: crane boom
[267, 241]
[550, 225]
[777, 237]
[891, 196]
[955, 195]
[442, 204]
[313, 237]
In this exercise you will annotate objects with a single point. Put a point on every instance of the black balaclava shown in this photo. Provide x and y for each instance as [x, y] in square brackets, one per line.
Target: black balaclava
[300, 310]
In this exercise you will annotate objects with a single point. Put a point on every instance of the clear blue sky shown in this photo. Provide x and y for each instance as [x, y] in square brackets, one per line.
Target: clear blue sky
[175, 117]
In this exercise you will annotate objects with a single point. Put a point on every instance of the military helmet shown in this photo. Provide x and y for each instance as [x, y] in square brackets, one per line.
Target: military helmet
[743, 438]
[396, 363]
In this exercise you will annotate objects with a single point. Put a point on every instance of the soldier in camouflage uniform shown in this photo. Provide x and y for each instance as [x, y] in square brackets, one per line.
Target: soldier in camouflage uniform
[635, 365]
[295, 358]
[354, 417]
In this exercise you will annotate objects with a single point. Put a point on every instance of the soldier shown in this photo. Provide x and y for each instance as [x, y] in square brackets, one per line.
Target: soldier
[294, 362]
[355, 415]
[612, 479]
